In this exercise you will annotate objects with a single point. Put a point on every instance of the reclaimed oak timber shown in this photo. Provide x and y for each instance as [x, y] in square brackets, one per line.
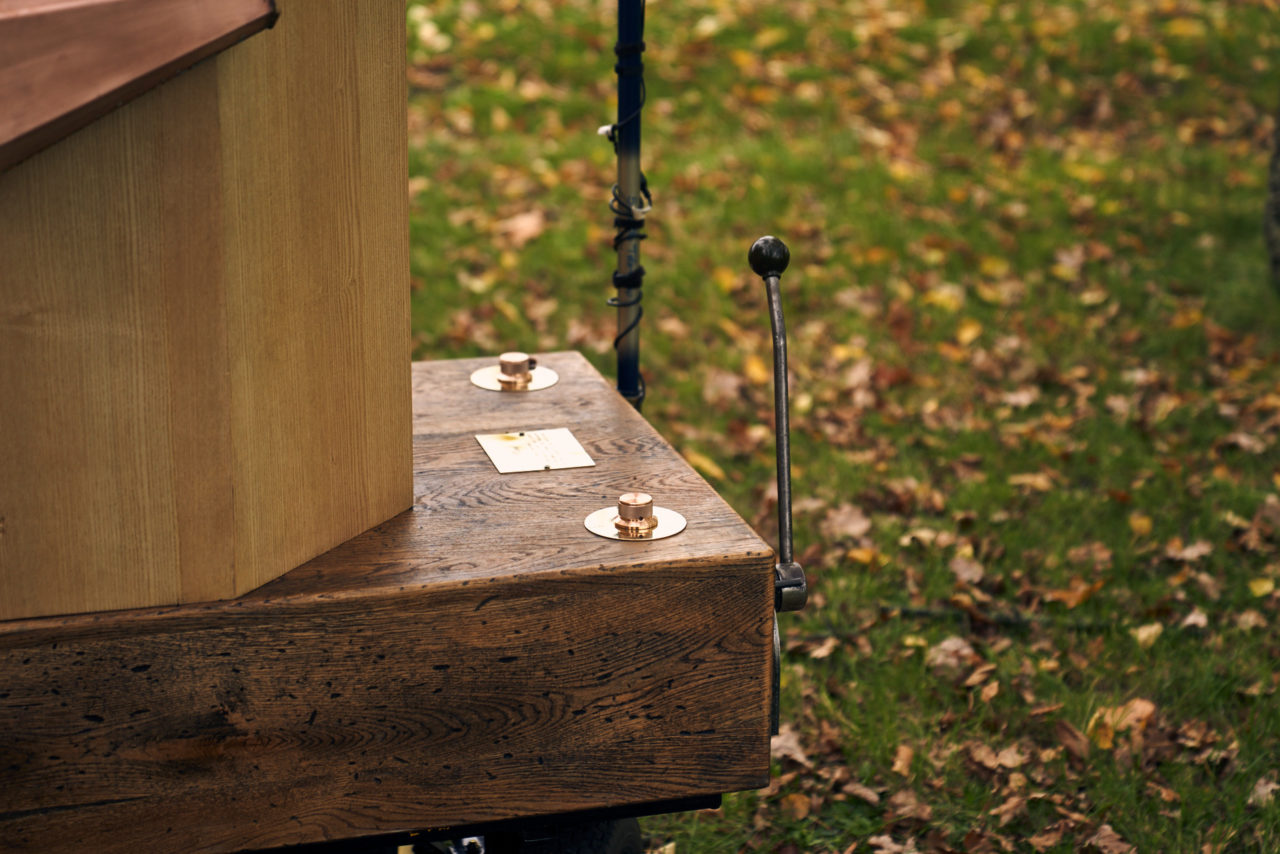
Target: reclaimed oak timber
[204, 324]
[479, 657]
[65, 64]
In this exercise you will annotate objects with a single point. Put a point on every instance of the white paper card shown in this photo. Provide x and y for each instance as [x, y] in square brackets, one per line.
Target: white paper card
[534, 450]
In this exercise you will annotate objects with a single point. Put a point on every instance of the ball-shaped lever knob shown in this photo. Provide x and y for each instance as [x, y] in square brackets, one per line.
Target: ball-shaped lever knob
[769, 256]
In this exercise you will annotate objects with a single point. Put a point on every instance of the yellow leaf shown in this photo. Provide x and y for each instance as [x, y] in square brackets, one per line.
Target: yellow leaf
[796, 805]
[1261, 586]
[707, 466]
[993, 266]
[1186, 318]
[1064, 272]
[1084, 172]
[968, 331]
[724, 278]
[757, 372]
[1185, 28]
[1146, 635]
[768, 37]
[1140, 524]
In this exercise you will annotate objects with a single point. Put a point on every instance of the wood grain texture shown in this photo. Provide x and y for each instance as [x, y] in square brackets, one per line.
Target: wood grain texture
[204, 325]
[455, 665]
[65, 64]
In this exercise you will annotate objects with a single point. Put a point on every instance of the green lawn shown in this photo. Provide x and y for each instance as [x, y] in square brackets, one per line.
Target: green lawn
[1036, 392]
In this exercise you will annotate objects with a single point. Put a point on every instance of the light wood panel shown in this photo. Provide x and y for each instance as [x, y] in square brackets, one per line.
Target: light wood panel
[205, 325]
[65, 64]
[479, 657]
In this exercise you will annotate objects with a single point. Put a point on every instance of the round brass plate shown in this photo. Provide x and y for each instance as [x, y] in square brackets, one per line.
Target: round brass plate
[669, 524]
[539, 378]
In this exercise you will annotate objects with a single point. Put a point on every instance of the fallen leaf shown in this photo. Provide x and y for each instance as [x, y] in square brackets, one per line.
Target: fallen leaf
[1010, 809]
[796, 805]
[906, 804]
[1250, 620]
[1147, 635]
[1187, 554]
[902, 760]
[968, 331]
[989, 691]
[845, 522]
[965, 569]
[521, 228]
[1263, 792]
[786, 745]
[1038, 481]
[1108, 722]
[1077, 594]
[824, 649]
[1260, 587]
[984, 755]
[704, 464]
[950, 656]
[1107, 841]
[858, 790]
[1197, 619]
[1011, 757]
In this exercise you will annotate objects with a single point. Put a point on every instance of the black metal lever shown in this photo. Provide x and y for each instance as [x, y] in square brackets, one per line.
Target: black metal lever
[769, 257]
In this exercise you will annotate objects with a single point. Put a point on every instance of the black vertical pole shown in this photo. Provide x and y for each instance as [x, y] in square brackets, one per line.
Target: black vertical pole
[629, 198]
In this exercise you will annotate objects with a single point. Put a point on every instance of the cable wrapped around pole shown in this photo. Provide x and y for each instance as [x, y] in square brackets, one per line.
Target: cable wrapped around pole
[630, 201]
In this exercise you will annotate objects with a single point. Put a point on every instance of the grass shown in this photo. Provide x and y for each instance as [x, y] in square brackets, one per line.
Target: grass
[1031, 332]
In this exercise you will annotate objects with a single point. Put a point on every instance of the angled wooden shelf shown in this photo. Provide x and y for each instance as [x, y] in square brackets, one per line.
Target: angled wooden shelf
[479, 657]
[65, 64]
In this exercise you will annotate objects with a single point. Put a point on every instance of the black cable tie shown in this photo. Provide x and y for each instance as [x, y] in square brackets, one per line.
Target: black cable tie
[634, 279]
[630, 47]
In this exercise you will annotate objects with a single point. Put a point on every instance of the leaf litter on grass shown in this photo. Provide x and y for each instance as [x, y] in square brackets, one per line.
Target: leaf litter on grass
[1036, 386]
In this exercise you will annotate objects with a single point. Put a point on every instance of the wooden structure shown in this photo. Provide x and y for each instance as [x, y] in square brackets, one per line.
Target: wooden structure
[479, 657]
[204, 305]
[259, 583]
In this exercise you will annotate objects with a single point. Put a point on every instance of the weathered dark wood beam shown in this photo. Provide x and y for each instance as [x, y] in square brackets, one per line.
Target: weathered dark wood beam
[64, 64]
[479, 657]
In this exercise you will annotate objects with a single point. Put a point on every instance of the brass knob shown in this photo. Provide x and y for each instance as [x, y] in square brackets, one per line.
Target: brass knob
[635, 519]
[515, 369]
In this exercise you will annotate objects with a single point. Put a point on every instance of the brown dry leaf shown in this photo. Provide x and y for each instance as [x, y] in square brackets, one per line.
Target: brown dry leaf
[786, 745]
[1107, 841]
[824, 649]
[1010, 809]
[905, 804]
[858, 790]
[966, 569]
[902, 760]
[1249, 620]
[1079, 592]
[1011, 757]
[984, 755]
[521, 228]
[1109, 721]
[1049, 837]
[948, 658]
[989, 691]
[1263, 792]
[884, 844]
[1037, 481]
[1072, 739]
[795, 805]
[845, 522]
[1197, 619]
[1175, 550]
